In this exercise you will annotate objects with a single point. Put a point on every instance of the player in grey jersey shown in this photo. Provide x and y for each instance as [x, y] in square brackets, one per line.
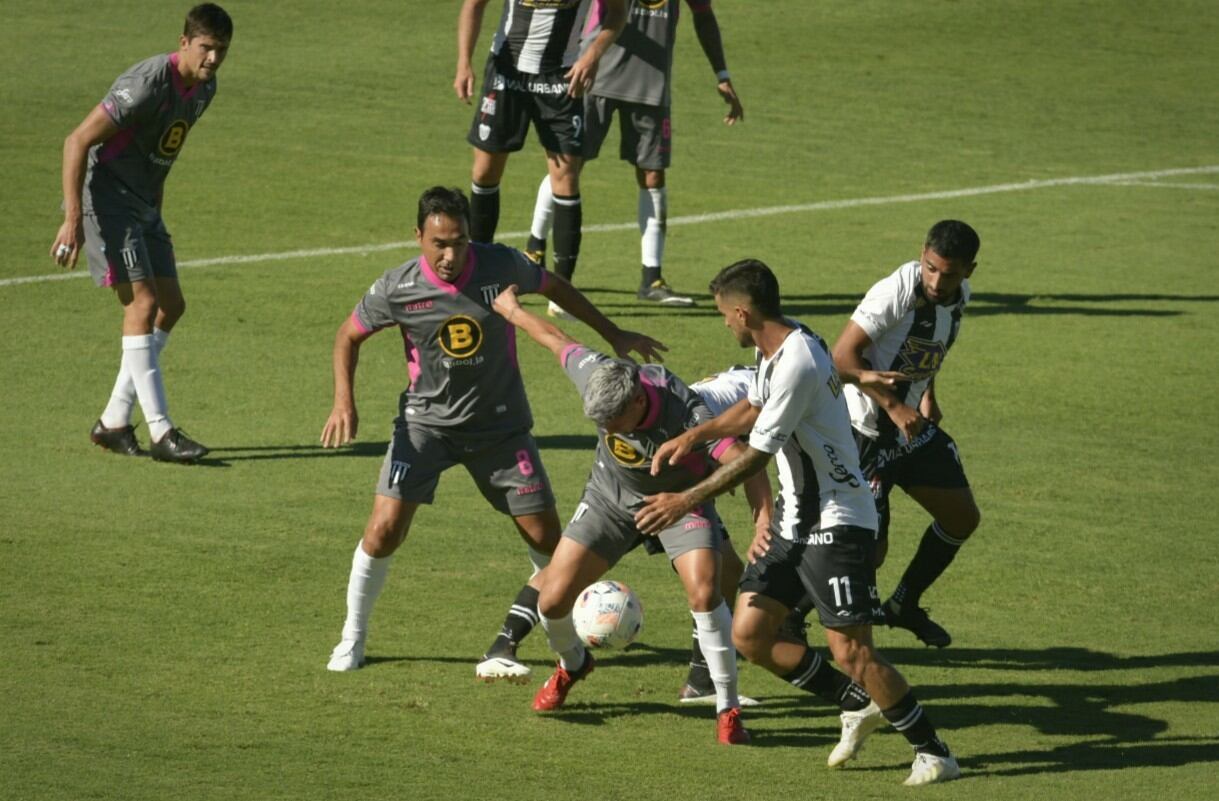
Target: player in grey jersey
[635, 82]
[114, 168]
[465, 404]
[907, 323]
[635, 408]
[824, 534]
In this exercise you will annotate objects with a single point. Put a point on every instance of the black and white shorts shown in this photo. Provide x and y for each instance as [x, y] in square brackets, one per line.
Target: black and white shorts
[930, 460]
[508, 471]
[512, 100]
[836, 566]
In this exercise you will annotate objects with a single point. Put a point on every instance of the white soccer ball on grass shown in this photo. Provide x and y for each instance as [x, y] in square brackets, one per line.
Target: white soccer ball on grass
[608, 615]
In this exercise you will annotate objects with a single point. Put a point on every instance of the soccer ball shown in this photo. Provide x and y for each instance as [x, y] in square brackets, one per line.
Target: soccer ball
[608, 615]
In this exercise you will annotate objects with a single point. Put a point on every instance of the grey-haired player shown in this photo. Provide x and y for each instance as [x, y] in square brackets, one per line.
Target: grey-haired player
[114, 168]
[635, 409]
[634, 82]
[465, 404]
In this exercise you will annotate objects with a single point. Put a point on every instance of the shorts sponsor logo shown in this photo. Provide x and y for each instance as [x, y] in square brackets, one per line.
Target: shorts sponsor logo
[816, 538]
[884, 456]
[696, 523]
[623, 452]
[921, 358]
[530, 489]
[460, 336]
[488, 105]
[499, 82]
[419, 305]
[587, 360]
[173, 139]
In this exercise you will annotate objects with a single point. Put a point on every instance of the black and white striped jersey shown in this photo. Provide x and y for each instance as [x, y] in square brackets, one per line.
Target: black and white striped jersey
[805, 423]
[910, 334]
[537, 36]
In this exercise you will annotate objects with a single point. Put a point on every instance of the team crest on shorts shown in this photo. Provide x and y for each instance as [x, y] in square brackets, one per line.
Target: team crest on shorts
[460, 336]
[623, 452]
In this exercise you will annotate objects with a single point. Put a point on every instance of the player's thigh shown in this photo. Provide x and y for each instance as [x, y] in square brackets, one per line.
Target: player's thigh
[647, 140]
[837, 568]
[501, 120]
[755, 623]
[934, 477]
[573, 567]
[413, 462]
[510, 475]
[116, 249]
[601, 527]
[775, 575]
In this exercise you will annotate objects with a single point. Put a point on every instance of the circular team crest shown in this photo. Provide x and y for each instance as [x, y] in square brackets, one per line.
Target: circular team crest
[173, 139]
[623, 452]
[460, 336]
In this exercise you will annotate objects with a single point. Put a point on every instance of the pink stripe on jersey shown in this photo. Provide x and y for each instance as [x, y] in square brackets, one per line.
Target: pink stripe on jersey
[718, 449]
[115, 145]
[567, 351]
[413, 367]
[355, 319]
[466, 274]
[595, 15]
[179, 84]
[108, 279]
[653, 396]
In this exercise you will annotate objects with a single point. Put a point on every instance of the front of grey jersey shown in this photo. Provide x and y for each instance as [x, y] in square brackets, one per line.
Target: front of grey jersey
[461, 355]
[622, 467]
[154, 111]
[638, 67]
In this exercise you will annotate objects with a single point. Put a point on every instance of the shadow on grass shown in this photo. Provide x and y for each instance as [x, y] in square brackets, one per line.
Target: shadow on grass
[222, 454]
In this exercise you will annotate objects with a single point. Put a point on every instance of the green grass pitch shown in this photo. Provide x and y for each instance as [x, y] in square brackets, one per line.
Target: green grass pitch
[164, 630]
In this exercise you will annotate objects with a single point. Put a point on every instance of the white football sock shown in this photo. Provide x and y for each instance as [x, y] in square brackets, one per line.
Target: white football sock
[561, 634]
[122, 398]
[653, 215]
[367, 578]
[140, 362]
[715, 640]
[543, 211]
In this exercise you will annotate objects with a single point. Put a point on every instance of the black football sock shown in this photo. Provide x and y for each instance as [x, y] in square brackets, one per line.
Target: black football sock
[908, 717]
[649, 276]
[520, 620]
[484, 212]
[700, 675]
[935, 553]
[816, 676]
[568, 219]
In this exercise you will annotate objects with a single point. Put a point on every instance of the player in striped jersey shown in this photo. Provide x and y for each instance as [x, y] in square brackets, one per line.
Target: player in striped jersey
[824, 533]
[535, 74]
[906, 323]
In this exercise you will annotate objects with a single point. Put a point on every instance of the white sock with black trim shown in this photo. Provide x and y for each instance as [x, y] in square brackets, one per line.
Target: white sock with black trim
[715, 640]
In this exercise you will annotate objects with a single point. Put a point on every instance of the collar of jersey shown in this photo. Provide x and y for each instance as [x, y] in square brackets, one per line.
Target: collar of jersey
[180, 87]
[462, 280]
[653, 396]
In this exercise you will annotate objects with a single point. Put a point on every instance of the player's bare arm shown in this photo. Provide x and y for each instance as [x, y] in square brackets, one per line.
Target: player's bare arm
[707, 28]
[663, 510]
[96, 128]
[469, 23]
[560, 290]
[342, 425]
[761, 503]
[582, 74]
[877, 385]
[541, 331]
[734, 421]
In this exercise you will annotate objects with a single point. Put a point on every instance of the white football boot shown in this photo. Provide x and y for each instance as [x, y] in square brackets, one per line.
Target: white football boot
[502, 668]
[347, 655]
[856, 726]
[929, 769]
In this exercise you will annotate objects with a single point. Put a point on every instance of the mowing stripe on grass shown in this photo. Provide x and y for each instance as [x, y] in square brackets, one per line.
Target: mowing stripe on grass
[1125, 179]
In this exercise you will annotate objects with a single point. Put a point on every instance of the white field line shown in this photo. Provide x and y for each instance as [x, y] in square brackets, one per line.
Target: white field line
[1167, 184]
[1128, 178]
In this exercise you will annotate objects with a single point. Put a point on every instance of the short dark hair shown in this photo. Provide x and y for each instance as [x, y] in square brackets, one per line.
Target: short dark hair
[208, 19]
[953, 240]
[754, 280]
[450, 202]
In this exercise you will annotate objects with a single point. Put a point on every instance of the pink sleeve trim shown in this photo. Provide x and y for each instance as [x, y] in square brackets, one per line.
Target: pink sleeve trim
[724, 444]
[355, 319]
[567, 351]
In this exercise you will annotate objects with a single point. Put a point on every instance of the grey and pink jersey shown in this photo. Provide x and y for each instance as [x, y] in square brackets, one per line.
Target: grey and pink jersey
[638, 67]
[154, 111]
[622, 468]
[460, 354]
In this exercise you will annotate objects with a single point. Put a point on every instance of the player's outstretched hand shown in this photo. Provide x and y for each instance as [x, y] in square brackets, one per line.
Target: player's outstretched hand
[880, 379]
[626, 342]
[66, 248]
[670, 452]
[507, 302]
[463, 83]
[760, 544]
[735, 111]
[340, 428]
[660, 511]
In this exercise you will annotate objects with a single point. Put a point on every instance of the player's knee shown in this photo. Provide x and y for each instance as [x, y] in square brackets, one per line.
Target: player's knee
[556, 598]
[750, 641]
[964, 523]
[171, 311]
[704, 597]
[383, 535]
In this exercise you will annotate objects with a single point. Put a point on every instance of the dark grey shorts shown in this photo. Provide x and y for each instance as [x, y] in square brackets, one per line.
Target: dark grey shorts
[646, 137]
[122, 249]
[609, 530]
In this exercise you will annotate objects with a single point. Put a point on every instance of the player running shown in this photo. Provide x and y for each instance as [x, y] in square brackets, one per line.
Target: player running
[465, 404]
[635, 409]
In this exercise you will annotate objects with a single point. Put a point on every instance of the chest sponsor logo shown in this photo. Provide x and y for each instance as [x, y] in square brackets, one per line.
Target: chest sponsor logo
[460, 336]
[624, 452]
[489, 293]
[921, 358]
[419, 305]
[173, 138]
[838, 471]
